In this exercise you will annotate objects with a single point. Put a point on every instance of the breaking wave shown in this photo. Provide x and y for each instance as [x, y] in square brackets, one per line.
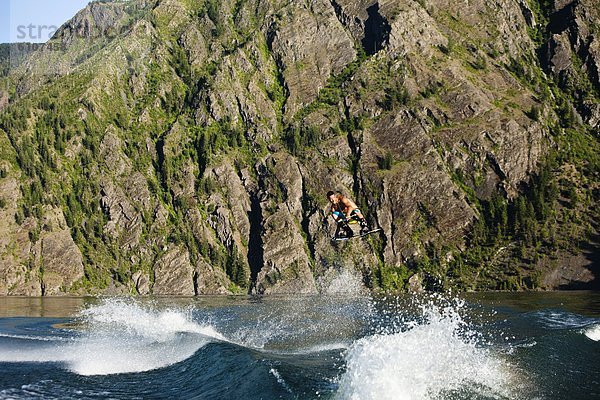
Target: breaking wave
[119, 336]
[437, 356]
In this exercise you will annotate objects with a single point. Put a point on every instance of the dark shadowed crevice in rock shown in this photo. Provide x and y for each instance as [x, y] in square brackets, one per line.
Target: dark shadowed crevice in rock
[255, 245]
[558, 22]
[160, 153]
[496, 167]
[195, 280]
[593, 69]
[270, 36]
[546, 53]
[377, 31]
[562, 19]
[339, 13]
[570, 19]
[355, 147]
[356, 154]
[308, 210]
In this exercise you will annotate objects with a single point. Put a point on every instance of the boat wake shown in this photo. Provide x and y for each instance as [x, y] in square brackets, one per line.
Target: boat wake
[347, 348]
[120, 336]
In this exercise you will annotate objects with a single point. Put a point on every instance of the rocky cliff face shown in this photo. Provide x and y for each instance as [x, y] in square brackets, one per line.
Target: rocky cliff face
[573, 47]
[173, 148]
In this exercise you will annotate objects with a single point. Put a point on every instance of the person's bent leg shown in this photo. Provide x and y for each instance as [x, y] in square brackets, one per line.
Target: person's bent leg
[364, 226]
[348, 232]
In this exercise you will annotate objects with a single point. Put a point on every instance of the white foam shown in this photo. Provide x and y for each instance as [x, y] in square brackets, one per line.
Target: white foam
[341, 282]
[560, 319]
[122, 336]
[105, 357]
[38, 354]
[321, 348]
[326, 347]
[38, 338]
[431, 359]
[265, 329]
[593, 333]
[128, 316]
[280, 380]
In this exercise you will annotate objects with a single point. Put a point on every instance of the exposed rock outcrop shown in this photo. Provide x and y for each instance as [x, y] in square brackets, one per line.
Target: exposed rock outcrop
[174, 273]
[286, 265]
[60, 257]
[572, 52]
[310, 45]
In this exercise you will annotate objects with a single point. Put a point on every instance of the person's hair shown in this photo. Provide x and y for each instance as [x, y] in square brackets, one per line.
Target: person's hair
[330, 193]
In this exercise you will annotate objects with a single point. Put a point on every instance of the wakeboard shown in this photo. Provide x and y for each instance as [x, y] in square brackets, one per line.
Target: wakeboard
[342, 239]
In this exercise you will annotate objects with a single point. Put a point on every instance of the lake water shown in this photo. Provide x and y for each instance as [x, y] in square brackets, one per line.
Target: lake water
[336, 346]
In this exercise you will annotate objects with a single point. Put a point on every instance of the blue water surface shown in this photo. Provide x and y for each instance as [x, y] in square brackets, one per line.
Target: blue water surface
[478, 346]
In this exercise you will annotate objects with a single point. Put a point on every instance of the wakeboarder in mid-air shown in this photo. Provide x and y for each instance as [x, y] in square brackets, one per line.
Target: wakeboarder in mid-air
[346, 212]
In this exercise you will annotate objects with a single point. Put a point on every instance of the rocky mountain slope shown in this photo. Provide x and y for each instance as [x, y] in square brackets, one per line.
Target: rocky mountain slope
[175, 147]
[11, 55]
